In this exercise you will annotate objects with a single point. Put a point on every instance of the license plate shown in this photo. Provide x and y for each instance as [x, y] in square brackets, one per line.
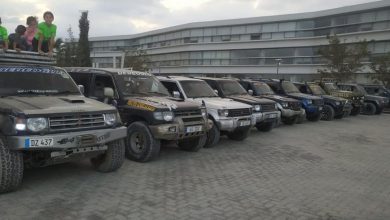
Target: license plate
[270, 116]
[194, 129]
[320, 108]
[39, 142]
[244, 123]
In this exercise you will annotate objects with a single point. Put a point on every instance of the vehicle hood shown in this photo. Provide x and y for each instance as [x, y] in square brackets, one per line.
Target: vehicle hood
[376, 98]
[279, 98]
[164, 103]
[219, 103]
[343, 94]
[333, 98]
[251, 100]
[42, 105]
[303, 96]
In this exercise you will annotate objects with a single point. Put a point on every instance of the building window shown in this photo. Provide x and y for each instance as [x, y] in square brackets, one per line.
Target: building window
[270, 28]
[287, 26]
[255, 36]
[308, 24]
[290, 34]
[266, 36]
[322, 22]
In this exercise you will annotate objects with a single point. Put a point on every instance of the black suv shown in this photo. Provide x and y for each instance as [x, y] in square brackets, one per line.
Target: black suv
[378, 90]
[290, 109]
[312, 104]
[149, 112]
[334, 107]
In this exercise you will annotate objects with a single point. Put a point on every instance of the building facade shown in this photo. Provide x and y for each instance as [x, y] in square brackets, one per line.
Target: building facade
[272, 46]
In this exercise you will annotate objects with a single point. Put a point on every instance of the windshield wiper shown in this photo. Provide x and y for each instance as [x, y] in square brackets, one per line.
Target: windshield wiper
[64, 92]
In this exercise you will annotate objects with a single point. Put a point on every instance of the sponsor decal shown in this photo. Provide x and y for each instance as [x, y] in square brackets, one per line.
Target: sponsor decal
[132, 73]
[141, 105]
[34, 70]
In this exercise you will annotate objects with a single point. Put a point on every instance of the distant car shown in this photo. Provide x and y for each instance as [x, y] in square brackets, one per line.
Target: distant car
[378, 90]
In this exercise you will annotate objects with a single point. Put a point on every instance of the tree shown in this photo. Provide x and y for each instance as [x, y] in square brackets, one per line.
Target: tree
[137, 60]
[381, 67]
[83, 51]
[343, 61]
[66, 54]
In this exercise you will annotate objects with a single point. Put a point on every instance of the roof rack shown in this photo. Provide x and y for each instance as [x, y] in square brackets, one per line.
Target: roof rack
[25, 57]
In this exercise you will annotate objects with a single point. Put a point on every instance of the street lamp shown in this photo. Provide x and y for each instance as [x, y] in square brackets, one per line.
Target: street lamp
[278, 62]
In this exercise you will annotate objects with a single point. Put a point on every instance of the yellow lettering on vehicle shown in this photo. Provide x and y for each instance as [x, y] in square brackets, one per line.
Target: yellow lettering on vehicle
[141, 105]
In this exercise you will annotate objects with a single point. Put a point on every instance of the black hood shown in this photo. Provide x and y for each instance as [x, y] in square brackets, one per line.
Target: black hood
[251, 100]
[301, 96]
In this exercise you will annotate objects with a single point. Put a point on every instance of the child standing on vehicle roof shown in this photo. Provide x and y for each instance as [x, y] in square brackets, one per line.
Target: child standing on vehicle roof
[43, 42]
[17, 40]
[31, 31]
[3, 37]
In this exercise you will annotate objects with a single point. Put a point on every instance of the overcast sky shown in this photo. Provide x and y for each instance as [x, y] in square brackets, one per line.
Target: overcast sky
[121, 17]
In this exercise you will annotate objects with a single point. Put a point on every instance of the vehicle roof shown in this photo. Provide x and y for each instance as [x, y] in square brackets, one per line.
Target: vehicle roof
[178, 78]
[216, 79]
[105, 70]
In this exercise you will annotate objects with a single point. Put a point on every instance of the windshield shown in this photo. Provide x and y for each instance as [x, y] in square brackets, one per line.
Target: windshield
[262, 88]
[331, 87]
[289, 87]
[231, 88]
[317, 90]
[361, 89]
[133, 85]
[197, 89]
[35, 81]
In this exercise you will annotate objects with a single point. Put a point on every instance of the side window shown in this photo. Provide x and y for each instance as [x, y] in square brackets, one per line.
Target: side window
[212, 84]
[245, 85]
[83, 79]
[100, 83]
[172, 86]
[275, 88]
[302, 88]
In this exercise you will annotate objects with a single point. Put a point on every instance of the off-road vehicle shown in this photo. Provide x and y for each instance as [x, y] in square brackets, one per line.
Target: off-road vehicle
[265, 109]
[312, 104]
[44, 120]
[290, 109]
[356, 99]
[149, 112]
[379, 90]
[372, 104]
[232, 118]
[334, 107]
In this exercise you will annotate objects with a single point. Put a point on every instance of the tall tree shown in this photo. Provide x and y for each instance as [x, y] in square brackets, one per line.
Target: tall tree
[342, 60]
[380, 65]
[137, 60]
[83, 52]
[66, 51]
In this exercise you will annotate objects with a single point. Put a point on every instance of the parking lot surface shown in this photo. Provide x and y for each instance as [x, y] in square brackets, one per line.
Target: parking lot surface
[324, 170]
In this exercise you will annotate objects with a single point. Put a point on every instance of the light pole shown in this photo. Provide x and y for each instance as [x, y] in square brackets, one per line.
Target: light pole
[278, 62]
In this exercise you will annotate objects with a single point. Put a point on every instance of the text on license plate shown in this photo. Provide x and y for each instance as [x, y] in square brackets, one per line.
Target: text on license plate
[194, 128]
[270, 116]
[39, 142]
[244, 123]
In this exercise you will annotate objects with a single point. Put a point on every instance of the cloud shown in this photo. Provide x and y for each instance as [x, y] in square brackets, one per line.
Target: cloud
[121, 17]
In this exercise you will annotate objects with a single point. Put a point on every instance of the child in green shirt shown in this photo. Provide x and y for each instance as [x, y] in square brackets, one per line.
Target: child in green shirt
[43, 41]
[3, 37]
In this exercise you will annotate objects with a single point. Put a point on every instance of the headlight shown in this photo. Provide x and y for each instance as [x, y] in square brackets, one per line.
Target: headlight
[309, 101]
[256, 108]
[337, 103]
[223, 112]
[167, 116]
[347, 102]
[110, 119]
[37, 124]
[284, 104]
[204, 112]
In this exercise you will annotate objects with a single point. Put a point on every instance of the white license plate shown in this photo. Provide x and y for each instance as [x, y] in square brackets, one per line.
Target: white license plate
[194, 129]
[320, 108]
[244, 123]
[39, 142]
[270, 116]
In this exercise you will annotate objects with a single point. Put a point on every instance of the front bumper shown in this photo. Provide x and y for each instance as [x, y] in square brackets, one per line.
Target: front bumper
[231, 124]
[69, 140]
[288, 113]
[313, 109]
[273, 116]
[177, 129]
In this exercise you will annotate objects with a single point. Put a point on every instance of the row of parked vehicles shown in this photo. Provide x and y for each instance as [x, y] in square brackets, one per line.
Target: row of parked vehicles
[52, 115]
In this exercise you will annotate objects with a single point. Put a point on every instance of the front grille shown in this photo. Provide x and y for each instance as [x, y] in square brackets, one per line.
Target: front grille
[294, 106]
[195, 112]
[318, 102]
[192, 119]
[69, 122]
[268, 107]
[239, 112]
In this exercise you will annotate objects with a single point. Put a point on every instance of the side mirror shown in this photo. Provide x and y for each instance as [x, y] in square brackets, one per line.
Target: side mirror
[81, 89]
[176, 94]
[216, 91]
[250, 92]
[108, 92]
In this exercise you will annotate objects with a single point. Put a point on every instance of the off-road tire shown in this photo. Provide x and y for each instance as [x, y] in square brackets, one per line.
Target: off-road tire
[314, 118]
[151, 148]
[265, 127]
[192, 144]
[213, 136]
[327, 113]
[355, 111]
[369, 108]
[11, 168]
[238, 135]
[112, 159]
[290, 120]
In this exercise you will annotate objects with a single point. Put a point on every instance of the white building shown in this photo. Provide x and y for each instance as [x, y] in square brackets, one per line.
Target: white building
[251, 45]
